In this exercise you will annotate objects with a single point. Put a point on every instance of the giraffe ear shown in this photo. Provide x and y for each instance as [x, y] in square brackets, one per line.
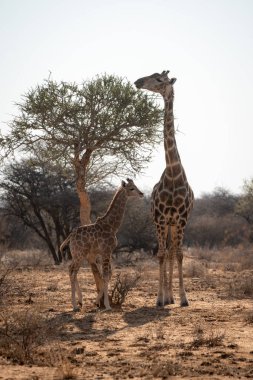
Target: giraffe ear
[123, 183]
[173, 80]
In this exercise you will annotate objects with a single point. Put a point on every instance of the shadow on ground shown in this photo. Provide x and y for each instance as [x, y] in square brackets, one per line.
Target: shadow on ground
[143, 315]
[71, 327]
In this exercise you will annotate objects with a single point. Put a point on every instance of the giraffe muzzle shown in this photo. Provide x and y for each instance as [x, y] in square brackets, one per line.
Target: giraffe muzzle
[139, 83]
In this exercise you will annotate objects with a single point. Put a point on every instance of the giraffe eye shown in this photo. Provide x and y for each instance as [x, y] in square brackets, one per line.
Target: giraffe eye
[159, 80]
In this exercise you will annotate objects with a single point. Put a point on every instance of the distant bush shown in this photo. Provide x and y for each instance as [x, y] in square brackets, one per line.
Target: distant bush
[214, 222]
[22, 332]
[217, 220]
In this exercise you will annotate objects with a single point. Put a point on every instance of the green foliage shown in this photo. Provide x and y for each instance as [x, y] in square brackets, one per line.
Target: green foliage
[105, 122]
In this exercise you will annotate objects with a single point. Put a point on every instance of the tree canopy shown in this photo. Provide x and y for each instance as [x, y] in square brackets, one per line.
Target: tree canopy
[43, 198]
[103, 127]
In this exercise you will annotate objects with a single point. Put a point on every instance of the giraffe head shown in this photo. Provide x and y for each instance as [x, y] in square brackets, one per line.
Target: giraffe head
[131, 189]
[157, 83]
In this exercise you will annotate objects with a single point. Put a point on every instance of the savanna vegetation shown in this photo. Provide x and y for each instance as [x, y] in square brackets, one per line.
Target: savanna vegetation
[67, 149]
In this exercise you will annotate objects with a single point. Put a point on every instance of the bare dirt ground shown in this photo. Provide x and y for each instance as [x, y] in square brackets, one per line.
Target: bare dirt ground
[210, 339]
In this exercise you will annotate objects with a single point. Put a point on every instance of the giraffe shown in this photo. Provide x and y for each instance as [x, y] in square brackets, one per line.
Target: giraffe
[96, 243]
[172, 197]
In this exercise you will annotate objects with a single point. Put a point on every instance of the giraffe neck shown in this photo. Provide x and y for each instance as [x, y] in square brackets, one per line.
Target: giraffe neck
[116, 210]
[170, 145]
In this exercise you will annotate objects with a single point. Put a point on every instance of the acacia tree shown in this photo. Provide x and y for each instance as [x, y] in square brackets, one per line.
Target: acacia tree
[103, 127]
[43, 198]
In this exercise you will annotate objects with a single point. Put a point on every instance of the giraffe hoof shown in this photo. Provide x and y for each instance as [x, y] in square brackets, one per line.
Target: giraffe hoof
[80, 304]
[184, 303]
[106, 310]
[76, 309]
[169, 301]
[159, 303]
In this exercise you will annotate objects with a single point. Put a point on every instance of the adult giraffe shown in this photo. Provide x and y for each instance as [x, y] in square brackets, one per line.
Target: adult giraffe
[172, 197]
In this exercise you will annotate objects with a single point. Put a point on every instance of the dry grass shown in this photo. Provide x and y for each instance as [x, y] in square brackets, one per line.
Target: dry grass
[228, 258]
[123, 284]
[22, 332]
[53, 287]
[241, 286]
[23, 259]
[249, 317]
[9, 285]
[136, 341]
[165, 370]
[4, 282]
[195, 269]
[65, 370]
[211, 338]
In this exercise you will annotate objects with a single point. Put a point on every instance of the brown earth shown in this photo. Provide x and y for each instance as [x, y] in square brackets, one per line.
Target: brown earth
[210, 339]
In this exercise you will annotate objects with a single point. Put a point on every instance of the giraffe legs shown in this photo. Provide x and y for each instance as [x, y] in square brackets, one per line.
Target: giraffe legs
[162, 232]
[182, 294]
[168, 290]
[178, 238]
[165, 290]
[99, 283]
[160, 298]
[102, 282]
[107, 272]
[73, 270]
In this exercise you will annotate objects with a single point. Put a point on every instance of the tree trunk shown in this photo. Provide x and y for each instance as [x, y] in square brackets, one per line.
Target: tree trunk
[46, 236]
[85, 207]
[80, 168]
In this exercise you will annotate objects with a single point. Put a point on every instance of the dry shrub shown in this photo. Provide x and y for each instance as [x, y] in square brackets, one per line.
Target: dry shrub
[122, 285]
[237, 258]
[227, 258]
[249, 317]
[165, 370]
[241, 286]
[57, 357]
[205, 254]
[4, 281]
[231, 267]
[32, 258]
[9, 285]
[194, 269]
[65, 371]
[22, 332]
[53, 287]
[211, 339]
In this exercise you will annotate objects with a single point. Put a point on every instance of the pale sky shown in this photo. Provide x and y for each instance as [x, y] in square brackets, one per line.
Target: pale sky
[206, 44]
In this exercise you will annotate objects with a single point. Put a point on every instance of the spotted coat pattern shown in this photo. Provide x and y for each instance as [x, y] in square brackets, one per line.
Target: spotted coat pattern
[172, 197]
[96, 243]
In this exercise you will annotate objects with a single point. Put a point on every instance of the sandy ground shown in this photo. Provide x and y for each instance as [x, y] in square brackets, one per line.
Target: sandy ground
[210, 339]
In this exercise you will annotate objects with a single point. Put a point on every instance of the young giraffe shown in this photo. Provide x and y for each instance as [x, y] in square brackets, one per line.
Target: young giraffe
[172, 197]
[96, 243]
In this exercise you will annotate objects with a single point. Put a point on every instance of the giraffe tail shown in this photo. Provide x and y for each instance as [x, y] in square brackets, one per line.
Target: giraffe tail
[64, 243]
